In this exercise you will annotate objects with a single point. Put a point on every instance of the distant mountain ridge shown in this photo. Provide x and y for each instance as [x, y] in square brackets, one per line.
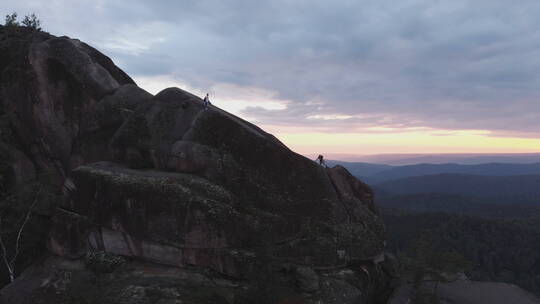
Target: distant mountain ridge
[518, 186]
[361, 169]
[489, 169]
[376, 173]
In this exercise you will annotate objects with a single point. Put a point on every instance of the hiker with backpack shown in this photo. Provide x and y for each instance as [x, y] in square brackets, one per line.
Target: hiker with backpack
[321, 161]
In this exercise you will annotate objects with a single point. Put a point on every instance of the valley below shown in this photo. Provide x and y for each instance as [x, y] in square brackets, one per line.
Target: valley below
[486, 215]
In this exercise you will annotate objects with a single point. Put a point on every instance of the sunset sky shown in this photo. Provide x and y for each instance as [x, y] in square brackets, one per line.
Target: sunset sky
[351, 77]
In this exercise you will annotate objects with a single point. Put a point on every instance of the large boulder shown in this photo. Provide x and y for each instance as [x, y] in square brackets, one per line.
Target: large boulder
[160, 180]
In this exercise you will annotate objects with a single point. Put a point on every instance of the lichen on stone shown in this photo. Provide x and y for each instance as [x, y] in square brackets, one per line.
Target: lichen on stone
[103, 262]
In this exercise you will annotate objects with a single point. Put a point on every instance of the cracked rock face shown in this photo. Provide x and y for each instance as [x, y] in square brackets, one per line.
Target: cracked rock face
[159, 180]
[61, 100]
[190, 186]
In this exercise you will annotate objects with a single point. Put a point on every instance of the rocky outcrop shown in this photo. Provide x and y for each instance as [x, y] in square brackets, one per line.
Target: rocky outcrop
[216, 202]
[61, 101]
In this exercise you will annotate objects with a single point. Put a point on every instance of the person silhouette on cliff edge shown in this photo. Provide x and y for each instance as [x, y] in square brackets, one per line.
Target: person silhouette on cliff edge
[321, 161]
[206, 102]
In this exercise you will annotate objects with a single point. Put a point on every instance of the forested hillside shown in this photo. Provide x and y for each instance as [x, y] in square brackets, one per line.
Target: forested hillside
[462, 204]
[525, 186]
[496, 249]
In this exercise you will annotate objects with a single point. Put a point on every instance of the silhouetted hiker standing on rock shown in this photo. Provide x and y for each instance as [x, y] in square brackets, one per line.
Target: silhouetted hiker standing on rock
[206, 101]
[320, 158]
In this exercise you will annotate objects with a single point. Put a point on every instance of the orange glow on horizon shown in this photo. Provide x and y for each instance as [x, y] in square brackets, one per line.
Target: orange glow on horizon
[438, 141]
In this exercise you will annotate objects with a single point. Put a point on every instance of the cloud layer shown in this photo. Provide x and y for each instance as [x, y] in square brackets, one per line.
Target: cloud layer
[342, 65]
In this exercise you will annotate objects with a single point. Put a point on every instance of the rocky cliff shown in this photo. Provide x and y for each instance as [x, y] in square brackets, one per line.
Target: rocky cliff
[161, 201]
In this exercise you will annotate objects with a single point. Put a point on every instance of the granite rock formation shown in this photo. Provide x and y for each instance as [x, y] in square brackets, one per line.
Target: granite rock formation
[166, 202]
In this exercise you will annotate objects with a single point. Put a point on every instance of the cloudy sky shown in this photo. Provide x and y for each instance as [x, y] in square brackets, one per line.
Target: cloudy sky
[352, 77]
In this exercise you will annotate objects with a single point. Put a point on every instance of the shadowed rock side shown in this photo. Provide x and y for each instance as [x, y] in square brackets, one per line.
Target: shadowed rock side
[61, 101]
[165, 202]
